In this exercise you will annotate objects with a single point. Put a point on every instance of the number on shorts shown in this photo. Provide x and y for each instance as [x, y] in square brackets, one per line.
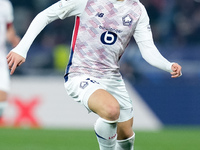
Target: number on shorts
[93, 81]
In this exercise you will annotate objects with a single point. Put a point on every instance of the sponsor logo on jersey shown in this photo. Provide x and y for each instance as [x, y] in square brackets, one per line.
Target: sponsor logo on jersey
[108, 38]
[127, 20]
[110, 29]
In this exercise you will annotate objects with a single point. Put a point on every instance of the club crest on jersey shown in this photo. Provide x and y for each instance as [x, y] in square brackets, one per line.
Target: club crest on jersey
[127, 20]
[83, 84]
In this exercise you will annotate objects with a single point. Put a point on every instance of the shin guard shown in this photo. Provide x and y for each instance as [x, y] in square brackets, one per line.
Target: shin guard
[106, 132]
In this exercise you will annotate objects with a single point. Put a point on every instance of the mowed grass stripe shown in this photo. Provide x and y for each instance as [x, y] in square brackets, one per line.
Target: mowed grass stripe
[70, 139]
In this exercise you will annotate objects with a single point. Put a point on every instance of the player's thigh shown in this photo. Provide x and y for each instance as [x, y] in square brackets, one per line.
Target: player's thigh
[118, 90]
[81, 88]
[124, 129]
[104, 104]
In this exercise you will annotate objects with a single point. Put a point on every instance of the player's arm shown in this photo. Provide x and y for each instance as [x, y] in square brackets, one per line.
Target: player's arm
[17, 55]
[61, 9]
[151, 54]
[149, 51]
[12, 37]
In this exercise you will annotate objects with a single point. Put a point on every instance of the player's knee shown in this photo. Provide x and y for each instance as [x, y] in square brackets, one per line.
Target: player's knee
[112, 112]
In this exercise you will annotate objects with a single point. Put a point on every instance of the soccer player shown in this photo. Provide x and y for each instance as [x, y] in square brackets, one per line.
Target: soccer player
[7, 33]
[102, 31]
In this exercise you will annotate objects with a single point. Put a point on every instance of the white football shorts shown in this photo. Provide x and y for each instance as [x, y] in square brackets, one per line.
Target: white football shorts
[4, 73]
[80, 88]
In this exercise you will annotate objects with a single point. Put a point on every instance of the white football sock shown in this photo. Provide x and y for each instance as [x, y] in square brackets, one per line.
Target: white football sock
[127, 144]
[3, 105]
[106, 132]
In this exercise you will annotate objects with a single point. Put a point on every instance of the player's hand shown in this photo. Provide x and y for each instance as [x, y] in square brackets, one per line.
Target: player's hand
[14, 60]
[176, 70]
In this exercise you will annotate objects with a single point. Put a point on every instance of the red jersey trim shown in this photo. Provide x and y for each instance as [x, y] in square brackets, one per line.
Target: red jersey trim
[75, 32]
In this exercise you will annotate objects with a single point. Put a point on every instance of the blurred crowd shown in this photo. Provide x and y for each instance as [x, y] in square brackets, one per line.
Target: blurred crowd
[172, 21]
[175, 21]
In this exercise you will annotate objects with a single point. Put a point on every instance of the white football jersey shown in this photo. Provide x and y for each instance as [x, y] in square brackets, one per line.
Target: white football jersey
[6, 17]
[102, 31]
[101, 34]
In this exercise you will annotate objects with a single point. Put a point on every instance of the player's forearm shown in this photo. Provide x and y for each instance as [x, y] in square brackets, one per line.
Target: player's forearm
[151, 54]
[12, 38]
[36, 26]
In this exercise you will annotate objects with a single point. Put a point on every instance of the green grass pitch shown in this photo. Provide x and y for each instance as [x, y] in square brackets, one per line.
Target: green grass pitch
[70, 139]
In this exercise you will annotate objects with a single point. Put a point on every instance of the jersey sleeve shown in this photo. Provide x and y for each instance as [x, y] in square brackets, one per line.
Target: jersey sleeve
[144, 40]
[61, 9]
[143, 29]
[151, 54]
[67, 8]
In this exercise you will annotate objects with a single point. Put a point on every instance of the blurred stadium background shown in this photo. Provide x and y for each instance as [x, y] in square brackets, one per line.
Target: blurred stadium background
[167, 111]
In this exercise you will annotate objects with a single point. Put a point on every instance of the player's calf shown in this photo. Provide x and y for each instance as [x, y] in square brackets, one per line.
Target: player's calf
[126, 144]
[106, 132]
